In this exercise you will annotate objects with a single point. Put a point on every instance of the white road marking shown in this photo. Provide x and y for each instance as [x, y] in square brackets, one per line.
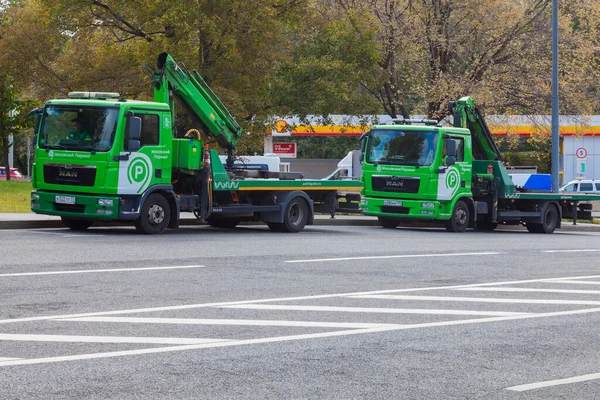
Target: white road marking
[571, 251]
[104, 339]
[373, 310]
[532, 290]
[272, 300]
[240, 322]
[578, 282]
[556, 382]
[478, 299]
[395, 256]
[9, 359]
[66, 234]
[277, 339]
[91, 271]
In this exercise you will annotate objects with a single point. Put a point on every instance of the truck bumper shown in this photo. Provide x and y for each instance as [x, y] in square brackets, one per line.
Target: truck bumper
[409, 209]
[75, 205]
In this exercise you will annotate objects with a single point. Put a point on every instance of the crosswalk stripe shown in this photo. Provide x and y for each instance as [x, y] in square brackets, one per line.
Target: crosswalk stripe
[104, 339]
[244, 322]
[532, 290]
[372, 310]
[477, 299]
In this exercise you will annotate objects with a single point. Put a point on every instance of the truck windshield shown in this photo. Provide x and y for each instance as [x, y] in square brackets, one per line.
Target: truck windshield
[402, 147]
[78, 128]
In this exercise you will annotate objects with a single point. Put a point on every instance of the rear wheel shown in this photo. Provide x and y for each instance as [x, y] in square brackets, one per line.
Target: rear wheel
[294, 218]
[77, 224]
[388, 223]
[549, 223]
[155, 215]
[460, 218]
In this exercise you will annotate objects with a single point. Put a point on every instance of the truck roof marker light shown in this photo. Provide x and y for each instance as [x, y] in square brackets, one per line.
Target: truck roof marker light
[95, 95]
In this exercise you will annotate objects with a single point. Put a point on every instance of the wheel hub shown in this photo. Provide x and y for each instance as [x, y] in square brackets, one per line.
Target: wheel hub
[156, 214]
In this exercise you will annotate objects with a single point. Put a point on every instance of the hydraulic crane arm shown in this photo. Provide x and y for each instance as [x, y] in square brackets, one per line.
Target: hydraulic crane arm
[467, 115]
[204, 106]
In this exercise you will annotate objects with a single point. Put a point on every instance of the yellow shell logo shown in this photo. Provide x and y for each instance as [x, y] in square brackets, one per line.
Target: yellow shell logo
[281, 126]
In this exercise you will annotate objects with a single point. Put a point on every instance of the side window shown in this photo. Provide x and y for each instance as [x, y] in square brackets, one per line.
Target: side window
[598, 187]
[586, 187]
[150, 130]
[569, 188]
[460, 149]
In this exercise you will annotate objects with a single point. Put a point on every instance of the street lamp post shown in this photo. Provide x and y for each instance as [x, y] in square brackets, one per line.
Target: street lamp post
[555, 111]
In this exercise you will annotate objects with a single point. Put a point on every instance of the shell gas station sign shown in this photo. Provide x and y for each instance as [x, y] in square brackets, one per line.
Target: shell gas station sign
[285, 150]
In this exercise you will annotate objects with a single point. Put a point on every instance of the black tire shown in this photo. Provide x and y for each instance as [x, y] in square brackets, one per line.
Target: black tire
[225, 223]
[276, 226]
[155, 215]
[294, 217]
[77, 224]
[550, 218]
[388, 223]
[460, 218]
[486, 226]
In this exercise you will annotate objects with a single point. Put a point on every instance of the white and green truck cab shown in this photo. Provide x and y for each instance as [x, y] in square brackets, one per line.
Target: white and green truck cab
[420, 170]
[100, 157]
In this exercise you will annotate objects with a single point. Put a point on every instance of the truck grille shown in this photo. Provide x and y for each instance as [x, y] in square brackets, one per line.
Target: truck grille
[74, 208]
[66, 174]
[401, 184]
[395, 210]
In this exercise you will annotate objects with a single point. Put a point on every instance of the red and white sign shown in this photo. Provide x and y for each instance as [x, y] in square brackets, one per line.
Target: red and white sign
[581, 153]
[285, 150]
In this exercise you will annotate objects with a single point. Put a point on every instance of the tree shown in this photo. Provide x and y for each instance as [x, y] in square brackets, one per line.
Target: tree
[12, 117]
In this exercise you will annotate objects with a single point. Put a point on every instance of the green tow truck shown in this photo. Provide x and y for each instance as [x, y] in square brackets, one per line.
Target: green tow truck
[100, 157]
[420, 170]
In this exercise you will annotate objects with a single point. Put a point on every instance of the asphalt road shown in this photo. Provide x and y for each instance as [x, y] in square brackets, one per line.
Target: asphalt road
[333, 312]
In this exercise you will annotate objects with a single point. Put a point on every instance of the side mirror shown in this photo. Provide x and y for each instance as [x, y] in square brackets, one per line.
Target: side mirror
[363, 146]
[451, 148]
[134, 131]
[36, 126]
[133, 145]
[450, 160]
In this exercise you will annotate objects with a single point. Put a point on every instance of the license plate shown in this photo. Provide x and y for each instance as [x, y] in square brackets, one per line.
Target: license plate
[65, 199]
[392, 203]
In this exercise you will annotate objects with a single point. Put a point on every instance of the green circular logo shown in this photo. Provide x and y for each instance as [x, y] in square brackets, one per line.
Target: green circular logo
[138, 171]
[452, 179]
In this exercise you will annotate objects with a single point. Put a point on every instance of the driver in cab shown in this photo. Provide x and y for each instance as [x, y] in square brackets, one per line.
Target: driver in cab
[78, 131]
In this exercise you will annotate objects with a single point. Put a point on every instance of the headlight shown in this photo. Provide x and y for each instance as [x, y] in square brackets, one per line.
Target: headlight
[427, 205]
[35, 196]
[105, 202]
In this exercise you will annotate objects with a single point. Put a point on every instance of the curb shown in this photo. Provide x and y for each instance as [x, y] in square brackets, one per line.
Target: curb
[323, 221]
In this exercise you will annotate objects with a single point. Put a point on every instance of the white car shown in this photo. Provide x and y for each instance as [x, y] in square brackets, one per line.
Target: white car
[582, 186]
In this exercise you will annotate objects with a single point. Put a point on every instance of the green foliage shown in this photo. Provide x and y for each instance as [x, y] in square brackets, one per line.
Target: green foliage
[541, 143]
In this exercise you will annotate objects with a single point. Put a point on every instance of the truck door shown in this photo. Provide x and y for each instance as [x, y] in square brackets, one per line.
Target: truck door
[456, 179]
[144, 168]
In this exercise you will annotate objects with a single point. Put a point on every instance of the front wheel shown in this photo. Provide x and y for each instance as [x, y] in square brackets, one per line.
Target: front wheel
[460, 218]
[155, 215]
[77, 224]
[388, 223]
